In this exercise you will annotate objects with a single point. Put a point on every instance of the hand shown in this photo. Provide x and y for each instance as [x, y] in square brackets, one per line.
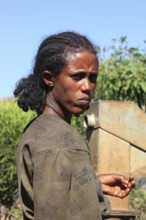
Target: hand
[116, 185]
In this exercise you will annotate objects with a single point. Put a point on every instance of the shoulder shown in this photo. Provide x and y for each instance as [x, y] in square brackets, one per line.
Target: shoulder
[49, 132]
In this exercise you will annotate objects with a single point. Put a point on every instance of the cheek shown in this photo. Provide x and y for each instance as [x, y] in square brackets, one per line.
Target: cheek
[62, 94]
[94, 88]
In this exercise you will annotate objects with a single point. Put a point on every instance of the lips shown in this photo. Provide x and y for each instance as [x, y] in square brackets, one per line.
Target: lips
[84, 101]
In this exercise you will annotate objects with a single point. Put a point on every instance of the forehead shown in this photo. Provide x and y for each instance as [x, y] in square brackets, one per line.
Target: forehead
[82, 59]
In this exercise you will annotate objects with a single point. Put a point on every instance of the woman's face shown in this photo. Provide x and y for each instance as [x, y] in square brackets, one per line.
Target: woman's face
[74, 85]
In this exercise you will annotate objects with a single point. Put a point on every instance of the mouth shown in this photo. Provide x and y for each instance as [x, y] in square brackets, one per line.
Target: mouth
[84, 101]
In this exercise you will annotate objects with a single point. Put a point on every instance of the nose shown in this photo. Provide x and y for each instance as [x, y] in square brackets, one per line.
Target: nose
[87, 85]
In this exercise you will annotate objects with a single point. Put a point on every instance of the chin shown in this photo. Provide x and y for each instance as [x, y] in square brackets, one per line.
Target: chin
[80, 111]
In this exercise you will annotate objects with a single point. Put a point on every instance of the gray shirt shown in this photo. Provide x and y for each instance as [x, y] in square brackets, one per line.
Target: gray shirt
[56, 179]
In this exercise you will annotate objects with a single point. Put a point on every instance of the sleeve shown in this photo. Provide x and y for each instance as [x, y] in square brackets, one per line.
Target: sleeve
[24, 173]
[51, 184]
[87, 196]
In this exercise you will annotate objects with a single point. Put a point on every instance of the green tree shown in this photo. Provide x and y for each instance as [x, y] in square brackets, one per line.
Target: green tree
[122, 76]
[12, 122]
[138, 202]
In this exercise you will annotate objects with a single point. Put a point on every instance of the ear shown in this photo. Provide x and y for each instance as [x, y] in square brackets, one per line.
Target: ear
[48, 78]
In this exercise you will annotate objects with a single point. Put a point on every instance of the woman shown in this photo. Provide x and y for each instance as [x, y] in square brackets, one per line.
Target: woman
[56, 179]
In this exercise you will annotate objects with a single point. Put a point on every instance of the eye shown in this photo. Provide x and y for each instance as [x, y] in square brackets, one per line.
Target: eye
[92, 77]
[78, 76]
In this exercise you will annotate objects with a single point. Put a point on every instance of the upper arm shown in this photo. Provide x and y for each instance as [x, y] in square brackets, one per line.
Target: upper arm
[51, 184]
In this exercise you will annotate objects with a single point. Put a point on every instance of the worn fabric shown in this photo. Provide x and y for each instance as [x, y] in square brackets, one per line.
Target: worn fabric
[56, 179]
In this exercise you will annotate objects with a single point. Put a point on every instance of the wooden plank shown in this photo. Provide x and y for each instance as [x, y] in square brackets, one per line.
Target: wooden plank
[123, 119]
[110, 154]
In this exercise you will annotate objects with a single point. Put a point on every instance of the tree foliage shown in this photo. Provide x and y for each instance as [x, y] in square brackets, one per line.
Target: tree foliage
[12, 123]
[138, 202]
[122, 76]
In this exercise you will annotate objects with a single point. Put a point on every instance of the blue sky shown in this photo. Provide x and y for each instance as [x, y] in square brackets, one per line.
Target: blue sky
[25, 23]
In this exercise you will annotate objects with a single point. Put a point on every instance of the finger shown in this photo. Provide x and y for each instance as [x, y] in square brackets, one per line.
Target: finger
[123, 179]
[132, 181]
[127, 191]
[131, 184]
[118, 192]
[123, 193]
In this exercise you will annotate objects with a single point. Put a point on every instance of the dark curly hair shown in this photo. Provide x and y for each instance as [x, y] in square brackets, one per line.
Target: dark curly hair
[31, 91]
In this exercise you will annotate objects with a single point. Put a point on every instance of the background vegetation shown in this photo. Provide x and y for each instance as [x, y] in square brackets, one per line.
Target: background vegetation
[12, 122]
[122, 76]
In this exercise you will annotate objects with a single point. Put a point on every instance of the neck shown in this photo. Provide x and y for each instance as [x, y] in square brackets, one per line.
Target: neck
[53, 108]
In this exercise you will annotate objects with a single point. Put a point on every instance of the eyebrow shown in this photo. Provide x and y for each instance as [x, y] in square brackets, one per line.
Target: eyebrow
[84, 72]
